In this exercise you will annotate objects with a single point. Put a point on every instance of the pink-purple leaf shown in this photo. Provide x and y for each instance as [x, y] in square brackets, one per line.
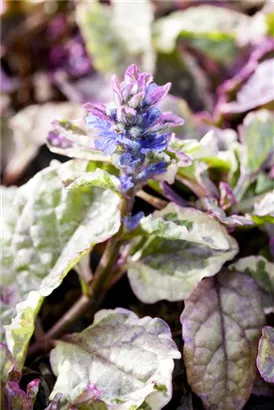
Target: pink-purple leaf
[265, 358]
[221, 324]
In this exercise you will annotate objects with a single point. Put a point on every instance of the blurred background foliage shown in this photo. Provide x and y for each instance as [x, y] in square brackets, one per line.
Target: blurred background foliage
[55, 55]
[219, 56]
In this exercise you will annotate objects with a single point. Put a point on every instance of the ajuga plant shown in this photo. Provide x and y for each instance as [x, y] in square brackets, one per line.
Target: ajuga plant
[209, 193]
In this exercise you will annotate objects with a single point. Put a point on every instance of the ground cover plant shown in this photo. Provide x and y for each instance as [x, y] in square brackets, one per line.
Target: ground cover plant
[137, 205]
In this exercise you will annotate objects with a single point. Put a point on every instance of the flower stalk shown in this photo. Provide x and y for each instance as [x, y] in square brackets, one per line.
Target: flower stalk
[136, 135]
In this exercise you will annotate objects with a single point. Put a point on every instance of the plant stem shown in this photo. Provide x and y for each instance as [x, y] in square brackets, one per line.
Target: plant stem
[152, 200]
[69, 317]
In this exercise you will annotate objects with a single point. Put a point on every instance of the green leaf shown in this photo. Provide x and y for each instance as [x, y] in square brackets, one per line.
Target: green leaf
[121, 358]
[259, 268]
[257, 135]
[6, 363]
[262, 272]
[115, 37]
[47, 230]
[180, 246]
[221, 326]
[99, 178]
[206, 147]
[212, 30]
[81, 142]
[264, 209]
[265, 359]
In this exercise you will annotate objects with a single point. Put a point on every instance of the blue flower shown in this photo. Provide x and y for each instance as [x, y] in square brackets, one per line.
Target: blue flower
[131, 222]
[154, 142]
[130, 161]
[126, 182]
[151, 170]
[106, 139]
[133, 128]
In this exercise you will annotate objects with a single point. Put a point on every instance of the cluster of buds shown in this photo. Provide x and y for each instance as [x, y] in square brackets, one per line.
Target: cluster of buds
[133, 131]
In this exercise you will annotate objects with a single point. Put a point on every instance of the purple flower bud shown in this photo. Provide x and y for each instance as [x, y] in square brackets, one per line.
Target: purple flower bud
[126, 90]
[32, 389]
[136, 100]
[156, 94]
[131, 222]
[144, 80]
[171, 119]
[99, 110]
[132, 72]
[116, 90]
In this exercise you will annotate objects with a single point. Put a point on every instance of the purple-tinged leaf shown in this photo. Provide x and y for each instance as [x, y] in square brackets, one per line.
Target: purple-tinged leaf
[221, 326]
[6, 363]
[254, 93]
[32, 390]
[213, 209]
[262, 388]
[265, 359]
[56, 402]
[227, 198]
[12, 397]
[17, 398]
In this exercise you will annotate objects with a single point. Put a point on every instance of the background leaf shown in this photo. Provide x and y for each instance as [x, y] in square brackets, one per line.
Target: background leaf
[257, 135]
[254, 92]
[118, 35]
[264, 209]
[128, 359]
[28, 131]
[221, 326]
[212, 30]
